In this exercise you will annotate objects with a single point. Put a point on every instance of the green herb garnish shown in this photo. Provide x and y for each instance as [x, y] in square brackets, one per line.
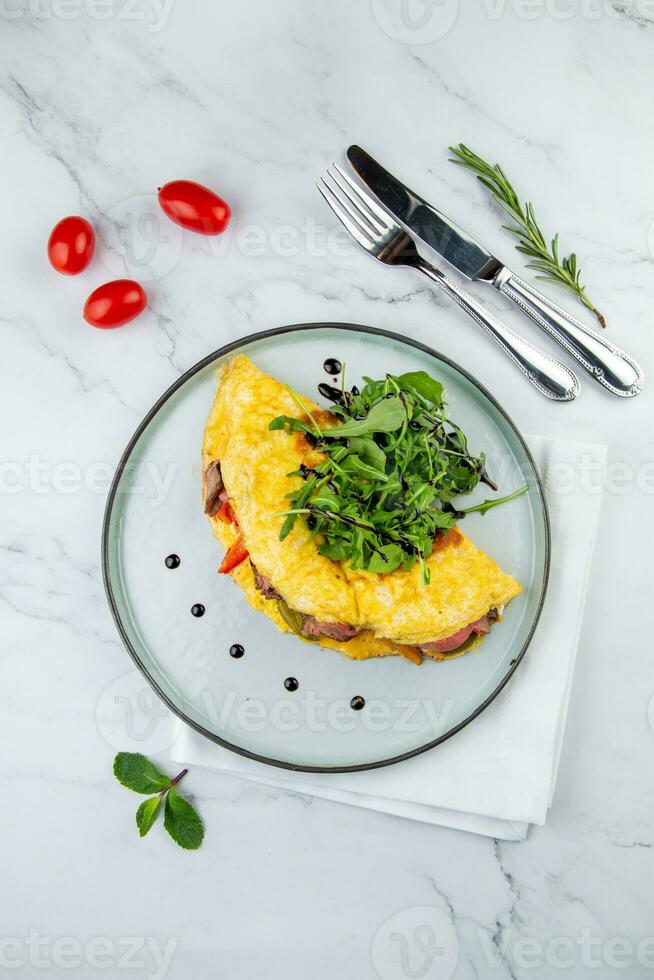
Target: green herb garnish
[137, 773]
[487, 505]
[545, 260]
[393, 465]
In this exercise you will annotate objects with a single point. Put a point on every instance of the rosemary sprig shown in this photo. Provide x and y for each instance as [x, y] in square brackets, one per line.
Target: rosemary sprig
[545, 260]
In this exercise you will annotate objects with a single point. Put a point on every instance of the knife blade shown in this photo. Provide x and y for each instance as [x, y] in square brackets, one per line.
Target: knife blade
[443, 235]
[608, 365]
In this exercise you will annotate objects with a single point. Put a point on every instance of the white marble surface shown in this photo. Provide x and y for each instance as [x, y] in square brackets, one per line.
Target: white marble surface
[99, 104]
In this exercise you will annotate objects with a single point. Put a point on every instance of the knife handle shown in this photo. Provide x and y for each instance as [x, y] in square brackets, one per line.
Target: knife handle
[609, 365]
[549, 376]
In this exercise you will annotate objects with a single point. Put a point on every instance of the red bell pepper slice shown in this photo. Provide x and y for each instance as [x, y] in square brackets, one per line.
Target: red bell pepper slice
[236, 553]
[225, 513]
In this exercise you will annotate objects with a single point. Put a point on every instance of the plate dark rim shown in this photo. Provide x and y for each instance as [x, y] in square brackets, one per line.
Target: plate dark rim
[221, 352]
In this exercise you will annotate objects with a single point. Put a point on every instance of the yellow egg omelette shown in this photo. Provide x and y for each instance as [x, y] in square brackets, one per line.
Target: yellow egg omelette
[361, 614]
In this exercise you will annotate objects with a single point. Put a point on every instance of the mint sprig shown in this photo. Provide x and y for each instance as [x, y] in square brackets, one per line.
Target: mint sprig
[181, 820]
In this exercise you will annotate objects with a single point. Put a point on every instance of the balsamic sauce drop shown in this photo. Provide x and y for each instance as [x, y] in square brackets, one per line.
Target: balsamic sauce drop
[291, 684]
[332, 366]
[197, 610]
[331, 394]
[357, 702]
[173, 561]
[236, 650]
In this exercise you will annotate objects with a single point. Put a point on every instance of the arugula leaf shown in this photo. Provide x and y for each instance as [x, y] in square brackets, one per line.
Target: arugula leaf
[386, 559]
[422, 384]
[391, 468]
[487, 505]
[354, 464]
[337, 550]
[368, 451]
[299, 501]
[182, 821]
[385, 416]
[290, 424]
[147, 814]
[136, 772]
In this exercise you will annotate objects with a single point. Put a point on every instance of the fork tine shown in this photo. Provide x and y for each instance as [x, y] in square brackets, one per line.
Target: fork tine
[380, 212]
[355, 211]
[352, 224]
[358, 200]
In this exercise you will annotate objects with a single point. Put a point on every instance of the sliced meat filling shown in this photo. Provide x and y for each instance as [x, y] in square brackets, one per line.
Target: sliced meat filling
[335, 631]
[309, 624]
[214, 488]
[480, 628]
[264, 585]
[342, 632]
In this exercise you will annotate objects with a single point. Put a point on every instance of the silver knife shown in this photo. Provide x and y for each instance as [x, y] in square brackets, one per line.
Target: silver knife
[609, 365]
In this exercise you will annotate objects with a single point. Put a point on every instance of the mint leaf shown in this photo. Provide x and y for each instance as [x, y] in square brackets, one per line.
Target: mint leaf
[136, 772]
[182, 822]
[147, 814]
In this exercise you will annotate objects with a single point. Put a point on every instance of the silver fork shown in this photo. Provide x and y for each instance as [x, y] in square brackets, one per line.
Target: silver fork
[382, 237]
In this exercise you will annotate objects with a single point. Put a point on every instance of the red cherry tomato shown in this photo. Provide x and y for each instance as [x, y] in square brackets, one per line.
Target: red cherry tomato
[71, 245]
[194, 207]
[115, 303]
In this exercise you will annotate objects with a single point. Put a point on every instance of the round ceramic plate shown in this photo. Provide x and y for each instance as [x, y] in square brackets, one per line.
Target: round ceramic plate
[154, 510]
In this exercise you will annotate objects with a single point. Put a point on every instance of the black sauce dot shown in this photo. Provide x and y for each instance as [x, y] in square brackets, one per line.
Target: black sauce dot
[332, 366]
[197, 609]
[291, 684]
[173, 561]
[357, 702]
[236, 650]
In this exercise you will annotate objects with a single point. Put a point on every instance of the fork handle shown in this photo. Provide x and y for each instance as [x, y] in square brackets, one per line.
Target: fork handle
[609, 365]
[549, 376]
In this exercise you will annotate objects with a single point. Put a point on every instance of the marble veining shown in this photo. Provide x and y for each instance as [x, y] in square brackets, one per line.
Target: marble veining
[257, 100]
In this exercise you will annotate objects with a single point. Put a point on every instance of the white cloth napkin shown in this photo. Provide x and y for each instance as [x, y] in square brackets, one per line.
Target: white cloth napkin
[497, 775]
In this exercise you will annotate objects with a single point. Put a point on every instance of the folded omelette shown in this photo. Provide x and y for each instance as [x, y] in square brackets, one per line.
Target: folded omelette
[359, 613]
